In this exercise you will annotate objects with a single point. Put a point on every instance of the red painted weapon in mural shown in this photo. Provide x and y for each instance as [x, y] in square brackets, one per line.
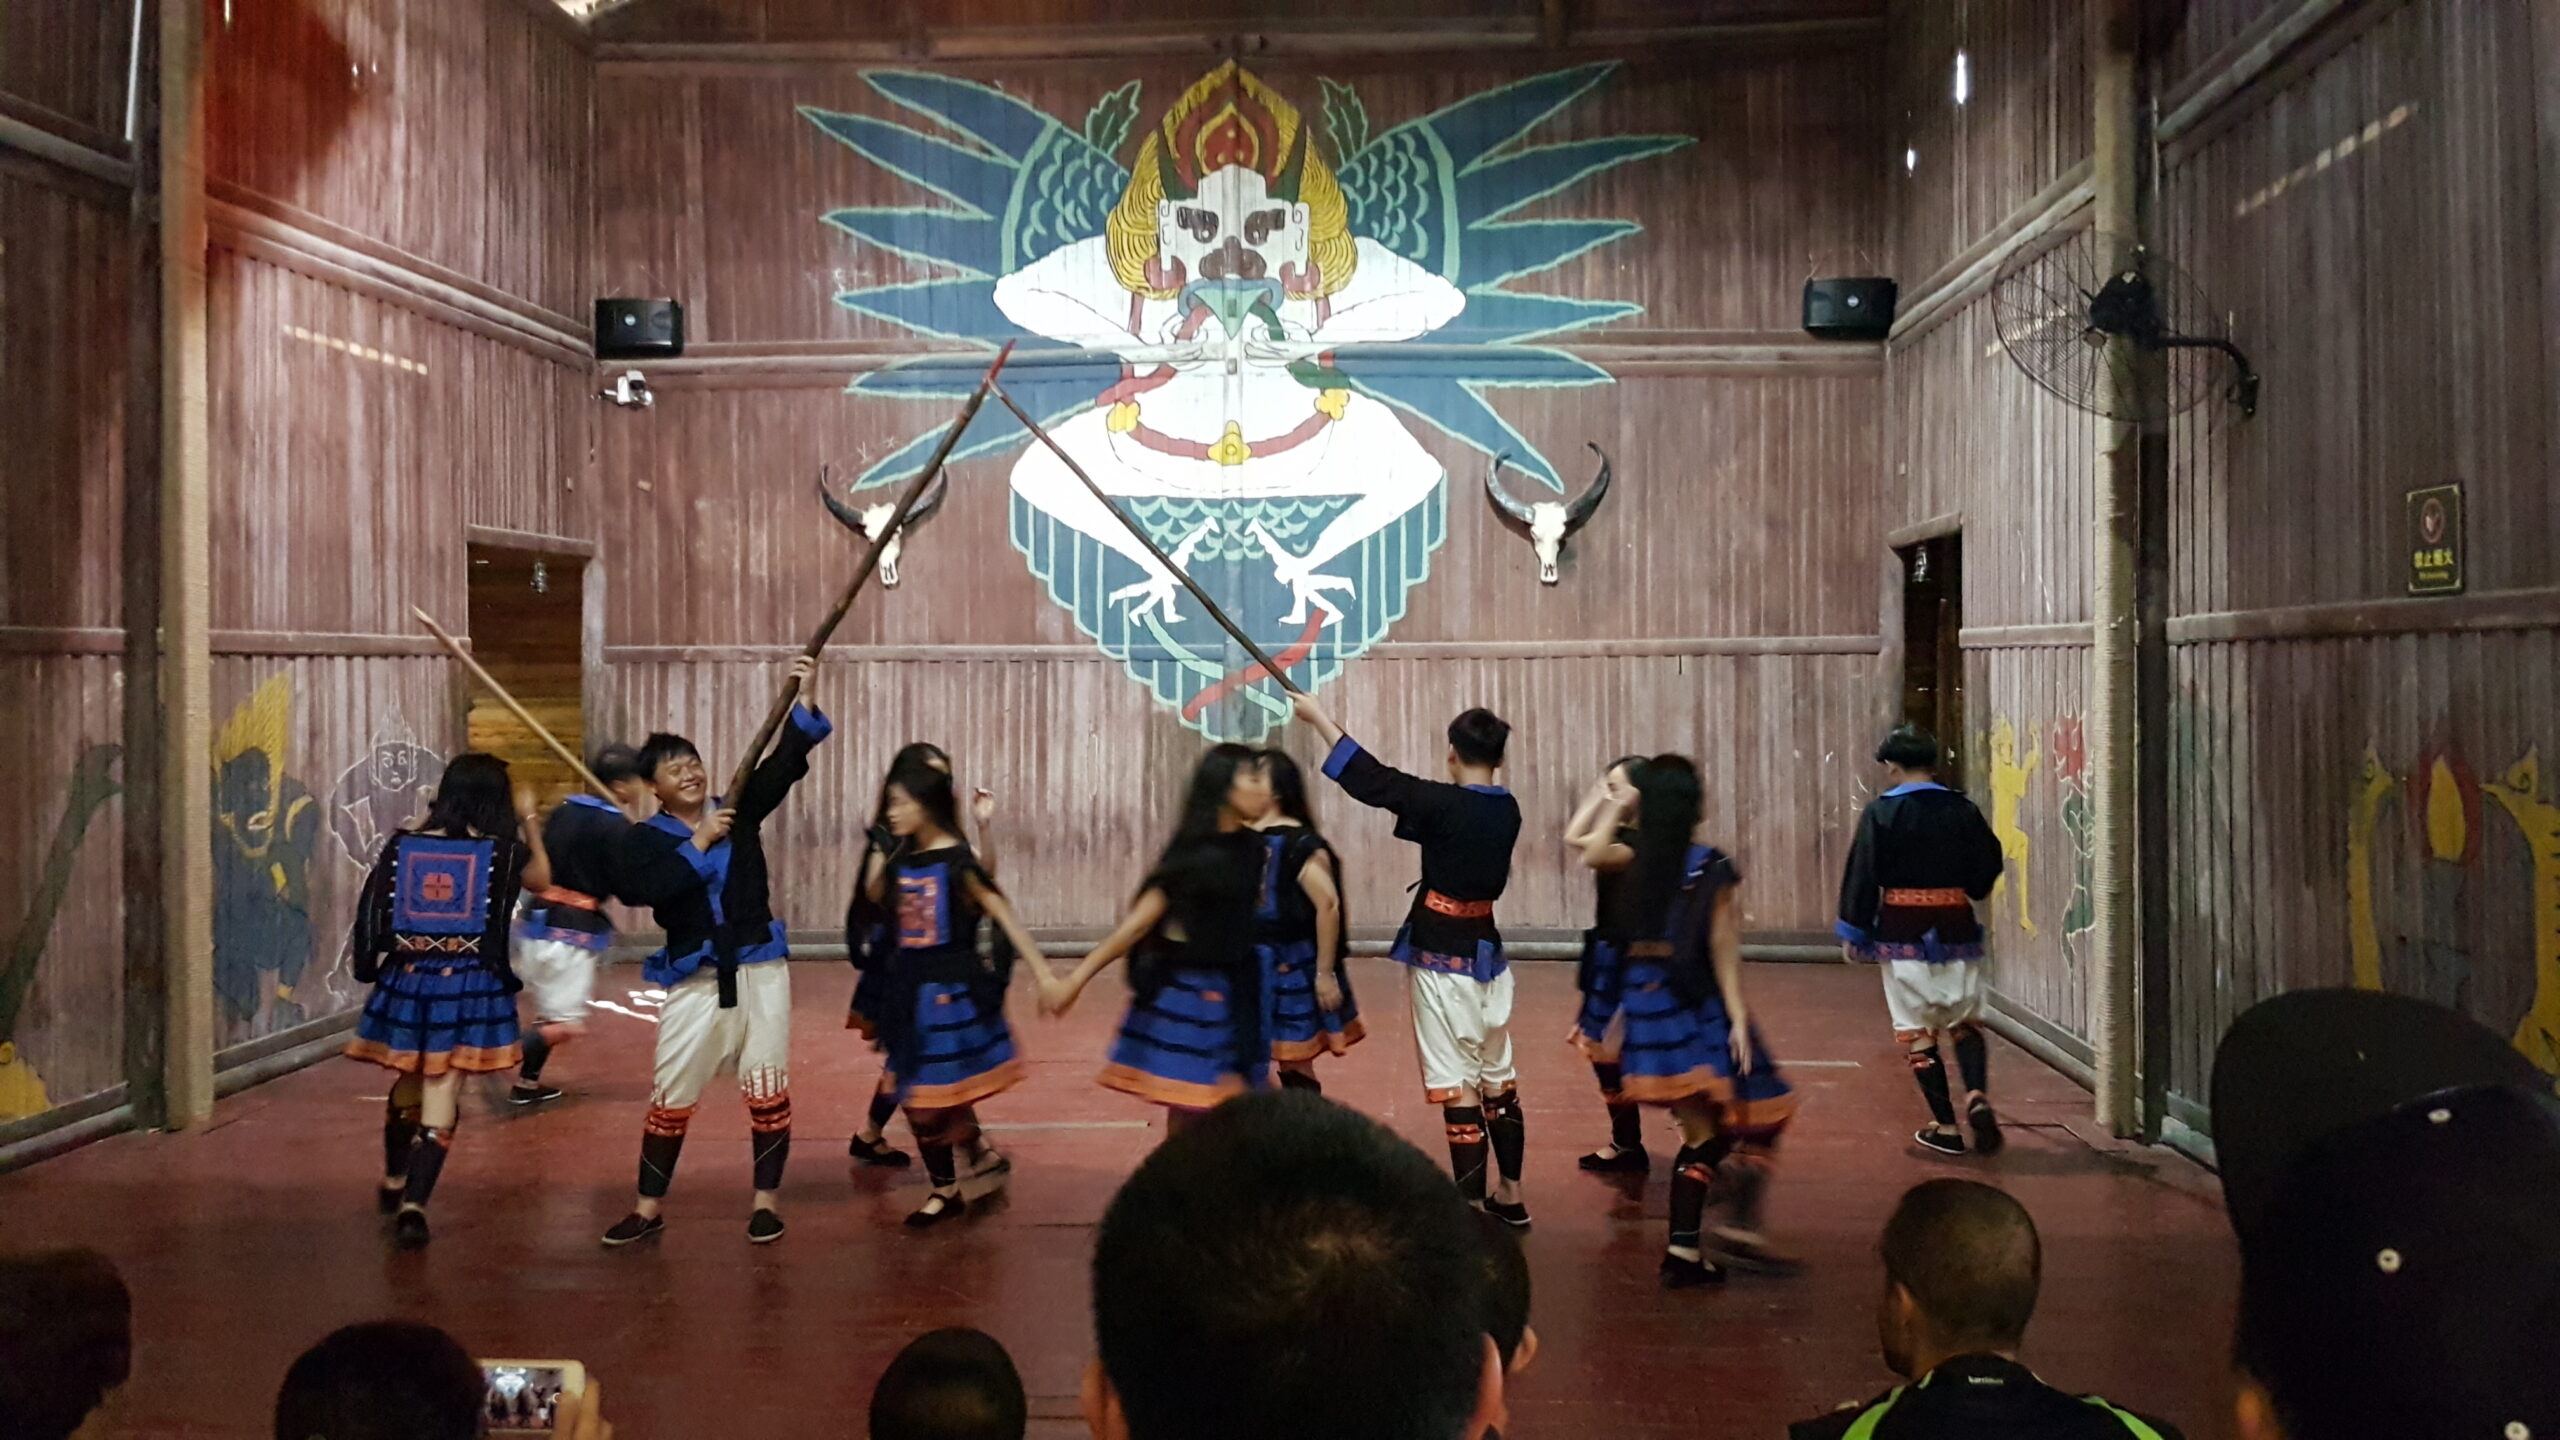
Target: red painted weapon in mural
[1278, 672]
[880, 542]
[490, 682]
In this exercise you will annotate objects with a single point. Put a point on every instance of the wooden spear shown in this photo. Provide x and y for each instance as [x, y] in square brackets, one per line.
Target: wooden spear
[1152, 548]
[862, 576]
[490, 683]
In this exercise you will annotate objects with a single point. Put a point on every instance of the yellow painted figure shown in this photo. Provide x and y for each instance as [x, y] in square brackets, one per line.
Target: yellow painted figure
[2373, 787]
[2519, 791]
[2009, 787]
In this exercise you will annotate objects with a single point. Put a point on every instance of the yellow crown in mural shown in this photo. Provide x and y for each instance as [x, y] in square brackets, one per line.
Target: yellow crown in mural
[1230, 118]
[263, 723]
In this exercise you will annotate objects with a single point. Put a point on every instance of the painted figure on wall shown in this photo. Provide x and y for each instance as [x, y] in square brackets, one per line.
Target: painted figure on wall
[386, 790]
[2446, 808]
[265, 828]
[93, 784]
[2519, 792]
[2375, 785]
[1235, 302]
[2009, 775]
[2079, 821]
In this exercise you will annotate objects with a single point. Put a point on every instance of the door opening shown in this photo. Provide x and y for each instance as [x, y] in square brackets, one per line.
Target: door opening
[1932, 659]
[527, 627]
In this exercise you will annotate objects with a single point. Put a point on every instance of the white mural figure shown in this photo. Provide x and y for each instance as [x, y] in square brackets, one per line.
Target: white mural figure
[1227, 268]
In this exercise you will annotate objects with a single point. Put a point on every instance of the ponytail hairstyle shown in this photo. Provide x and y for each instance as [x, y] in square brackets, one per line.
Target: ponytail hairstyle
[1670, 800]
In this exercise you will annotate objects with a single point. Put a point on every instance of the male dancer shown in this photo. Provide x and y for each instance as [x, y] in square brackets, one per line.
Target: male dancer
[1461, 985]
[564, 931]
[700, 865]
[1923, 855]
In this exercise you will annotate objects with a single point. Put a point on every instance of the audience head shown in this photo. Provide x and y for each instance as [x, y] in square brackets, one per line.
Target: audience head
[2390, 1168]
[1478, 737]
[1908, 747]
[1961, 1267]
[1506, 1293]
[618, 766]
[387, 1380]
[66, 1339]
[954, 1384]
[674, 770]
[1287, 1267]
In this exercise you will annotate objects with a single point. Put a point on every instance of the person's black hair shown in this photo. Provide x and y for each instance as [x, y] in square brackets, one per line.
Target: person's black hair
[1629, 763]
[1910, 747]
[1669, 801]
[660, 748]
[66, 1339]
[476, 795]
[1479, 736]
[616, 763]
[1288, 786]
[1204, 798]
[929, 785]
[1506, 1284]
[1287, 1267]
[955, 1384]
[1968, 1255]
[921, 755]
[387, 1380]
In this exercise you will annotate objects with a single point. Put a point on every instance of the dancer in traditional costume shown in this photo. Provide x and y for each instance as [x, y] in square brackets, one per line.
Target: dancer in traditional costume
[1462, 986]
[1681, 1029]
[564, 931]
[1923, 856]
[699, 864]
[1300, 933]
[1193, 1035]
[940, 1015]
[1599, 845]
[870, 943]
[431, 938]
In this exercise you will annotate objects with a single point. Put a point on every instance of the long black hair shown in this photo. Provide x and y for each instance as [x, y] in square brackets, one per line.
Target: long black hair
[1288, 786]
[922, 753]
[1670, 800]
[928, 785]
[477, 796]
[1211, 779]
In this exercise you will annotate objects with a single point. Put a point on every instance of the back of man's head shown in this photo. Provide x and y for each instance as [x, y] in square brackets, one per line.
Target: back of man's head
[1288, 1267]
[66, 1339]
[1480, 737]
[387, 1380]
[1968, 1257]
[954, 1384]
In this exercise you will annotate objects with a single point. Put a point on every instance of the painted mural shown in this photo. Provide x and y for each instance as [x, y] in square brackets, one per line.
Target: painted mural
[266, 828]
[2080, 822]
[1225, 330]
[386, 790]
[93, 784]
[2009, 774]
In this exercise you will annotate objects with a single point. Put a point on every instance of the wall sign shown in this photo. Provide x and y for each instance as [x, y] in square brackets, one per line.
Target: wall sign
[2435, 540]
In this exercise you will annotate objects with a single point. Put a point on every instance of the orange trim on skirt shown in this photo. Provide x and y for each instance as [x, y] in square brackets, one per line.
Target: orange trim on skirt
[970, 1091]
[1330, 1042]
[1181, 1095]
[468, 1059]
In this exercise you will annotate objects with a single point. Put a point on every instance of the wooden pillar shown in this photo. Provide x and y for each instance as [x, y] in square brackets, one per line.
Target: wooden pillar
[146, 973]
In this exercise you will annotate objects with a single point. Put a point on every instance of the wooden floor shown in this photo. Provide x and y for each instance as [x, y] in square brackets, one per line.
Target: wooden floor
[248, 1241]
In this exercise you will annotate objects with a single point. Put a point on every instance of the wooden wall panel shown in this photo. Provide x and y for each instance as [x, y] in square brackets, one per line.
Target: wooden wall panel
[2025, 761]
[61, 890]
[69, 57]
[787, 21]
[1958, 171]
[2212, 29]
[62, 338]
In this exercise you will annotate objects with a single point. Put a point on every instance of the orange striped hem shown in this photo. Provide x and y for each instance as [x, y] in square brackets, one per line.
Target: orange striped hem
[1442, 1095]
[1325, 1043]
[1180, 1094]
[469, 1059]
[967, 1092]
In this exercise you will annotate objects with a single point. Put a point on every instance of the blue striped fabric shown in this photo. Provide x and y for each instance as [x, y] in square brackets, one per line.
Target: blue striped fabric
[1298, 1027]
[963, 1054]
[1177, 1046]
[438, 1014]
[1673, 1050]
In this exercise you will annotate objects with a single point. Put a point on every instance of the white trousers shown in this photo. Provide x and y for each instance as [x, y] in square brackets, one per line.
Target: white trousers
[560, 978]
[1922, 996]
[697, 1039]
[1462, 1029]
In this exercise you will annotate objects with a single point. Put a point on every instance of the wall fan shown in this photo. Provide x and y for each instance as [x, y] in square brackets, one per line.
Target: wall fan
[2060, 310]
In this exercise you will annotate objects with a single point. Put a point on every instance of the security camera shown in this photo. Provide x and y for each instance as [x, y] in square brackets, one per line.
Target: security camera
[630, 391]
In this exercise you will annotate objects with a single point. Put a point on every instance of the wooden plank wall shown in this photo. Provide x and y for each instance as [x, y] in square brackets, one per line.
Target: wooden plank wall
[1746, 463]
[982, 22]
[2391, 289]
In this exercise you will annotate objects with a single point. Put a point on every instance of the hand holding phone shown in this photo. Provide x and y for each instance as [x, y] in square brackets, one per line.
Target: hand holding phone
[540, 1397]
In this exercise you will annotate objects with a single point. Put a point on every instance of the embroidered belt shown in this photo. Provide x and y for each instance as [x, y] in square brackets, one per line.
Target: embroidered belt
[1919, 899]
[554, 895]
[1649, 950]
[437, 944]
[1440, 904]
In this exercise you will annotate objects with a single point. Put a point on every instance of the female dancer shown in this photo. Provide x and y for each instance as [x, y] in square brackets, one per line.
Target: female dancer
[1193, 1035]
[1299, 932]
[941, 1017]
[1603, 849]
[1689, 1043]
[431, 939]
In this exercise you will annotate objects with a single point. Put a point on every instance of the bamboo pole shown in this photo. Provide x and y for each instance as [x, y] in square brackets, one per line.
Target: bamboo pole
[490, 683]
[1152, 548]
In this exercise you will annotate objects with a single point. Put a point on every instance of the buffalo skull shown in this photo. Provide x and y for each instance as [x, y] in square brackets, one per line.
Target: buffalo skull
[868, 521]
[1549, 522]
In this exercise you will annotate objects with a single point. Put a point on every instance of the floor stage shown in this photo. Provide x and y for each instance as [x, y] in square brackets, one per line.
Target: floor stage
[247, 1241]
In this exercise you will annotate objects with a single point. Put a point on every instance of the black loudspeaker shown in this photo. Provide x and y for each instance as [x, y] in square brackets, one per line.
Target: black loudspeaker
[1849, 309]
[639, 329]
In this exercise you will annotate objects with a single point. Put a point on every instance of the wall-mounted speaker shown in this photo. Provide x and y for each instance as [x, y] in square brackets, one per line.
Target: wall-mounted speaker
[639, 329]
[1850, 309]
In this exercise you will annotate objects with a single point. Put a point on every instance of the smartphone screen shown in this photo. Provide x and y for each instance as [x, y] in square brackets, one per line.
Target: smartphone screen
[522, 1397]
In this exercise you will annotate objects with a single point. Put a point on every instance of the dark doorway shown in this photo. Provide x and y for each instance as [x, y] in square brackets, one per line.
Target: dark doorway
[1932, 660]
[527, 628]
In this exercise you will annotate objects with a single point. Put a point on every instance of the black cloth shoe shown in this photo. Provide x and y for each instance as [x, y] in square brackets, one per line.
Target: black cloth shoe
[1681, 1274]
[936, 1209]
[1515, 1215]
[877, 1152]
[1945, 1142]
[1987, 1139]
[409, 1230]
[533, 1094]
[633, 1227]
[763, 1228]
[1617, 1161]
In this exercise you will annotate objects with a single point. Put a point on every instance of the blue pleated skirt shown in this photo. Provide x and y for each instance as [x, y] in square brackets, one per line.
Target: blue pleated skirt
[1177, 1047]
[1671, 1051]
[962, 1053]
[1298, 1027]
[427, 1018]
[1598, 978]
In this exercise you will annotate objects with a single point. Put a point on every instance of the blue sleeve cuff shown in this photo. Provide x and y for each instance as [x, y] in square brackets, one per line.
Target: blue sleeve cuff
[1852, 933]
[1339, 757]
[810, 723]
[700, 859]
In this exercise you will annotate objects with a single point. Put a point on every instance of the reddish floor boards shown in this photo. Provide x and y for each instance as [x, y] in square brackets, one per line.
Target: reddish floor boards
[246, 1242]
